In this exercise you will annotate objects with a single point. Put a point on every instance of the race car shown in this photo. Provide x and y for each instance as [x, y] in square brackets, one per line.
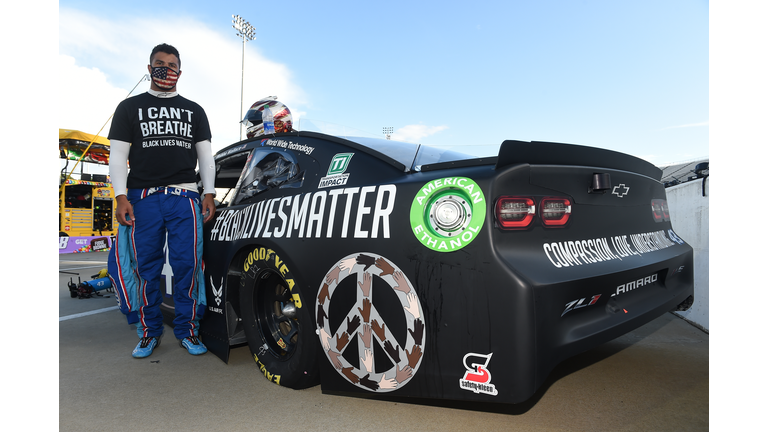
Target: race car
[374, 267]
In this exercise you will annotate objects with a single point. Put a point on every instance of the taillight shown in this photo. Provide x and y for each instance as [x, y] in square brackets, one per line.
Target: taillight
[515, 212]
[555, 211]
[665, 210]
[660, 210]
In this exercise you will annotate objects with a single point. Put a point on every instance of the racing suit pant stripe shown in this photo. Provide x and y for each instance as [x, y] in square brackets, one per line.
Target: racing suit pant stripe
[185, 254]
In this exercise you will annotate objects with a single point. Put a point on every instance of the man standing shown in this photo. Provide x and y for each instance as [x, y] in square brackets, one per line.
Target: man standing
[162, 136]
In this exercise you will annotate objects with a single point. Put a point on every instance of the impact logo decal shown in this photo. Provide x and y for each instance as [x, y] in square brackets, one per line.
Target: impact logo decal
[336, 175]
[477, 378]
[448, 213]
[371, 343]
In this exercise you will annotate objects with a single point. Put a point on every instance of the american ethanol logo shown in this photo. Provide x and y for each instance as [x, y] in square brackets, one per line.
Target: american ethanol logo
[448, 213]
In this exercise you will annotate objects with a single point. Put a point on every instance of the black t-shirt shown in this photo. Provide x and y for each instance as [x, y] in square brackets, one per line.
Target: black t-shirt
[163, 133]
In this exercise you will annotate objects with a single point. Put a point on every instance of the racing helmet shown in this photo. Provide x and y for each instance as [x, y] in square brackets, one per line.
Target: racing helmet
[281, 117]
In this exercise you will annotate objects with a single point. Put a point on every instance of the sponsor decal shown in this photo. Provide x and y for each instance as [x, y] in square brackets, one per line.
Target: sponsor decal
[364, 330]
[336, 171]
[290, 145]
[267, 374]
[629, 286]
[84, 244]
[217, 292]
[339, 163]
[477, 378]
[674, 237]
[230, 151]
[100, 243]
[359, 212]
[621, 191]
[271, 258]
[580, 303]
[336, 180]
[585, 252]
[458, 201]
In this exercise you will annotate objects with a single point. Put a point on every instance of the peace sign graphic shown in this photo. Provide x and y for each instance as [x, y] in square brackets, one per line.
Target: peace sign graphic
[370, 322]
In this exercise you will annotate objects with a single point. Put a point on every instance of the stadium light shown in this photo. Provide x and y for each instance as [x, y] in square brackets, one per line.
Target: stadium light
[245, 31]
[388, 132]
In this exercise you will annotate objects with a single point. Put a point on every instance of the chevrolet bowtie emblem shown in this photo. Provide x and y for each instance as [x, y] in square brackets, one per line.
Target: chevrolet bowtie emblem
[620, 190]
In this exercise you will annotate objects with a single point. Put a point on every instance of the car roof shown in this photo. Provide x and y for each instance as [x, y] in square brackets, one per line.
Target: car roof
[404, 156]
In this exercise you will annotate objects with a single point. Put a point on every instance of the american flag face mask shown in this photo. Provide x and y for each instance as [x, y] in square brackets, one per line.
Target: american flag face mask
[164, 77]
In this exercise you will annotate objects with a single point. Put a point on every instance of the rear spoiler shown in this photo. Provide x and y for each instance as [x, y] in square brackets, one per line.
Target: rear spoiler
[546, 153]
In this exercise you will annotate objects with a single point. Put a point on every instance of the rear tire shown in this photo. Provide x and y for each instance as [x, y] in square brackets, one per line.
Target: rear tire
[284, 347]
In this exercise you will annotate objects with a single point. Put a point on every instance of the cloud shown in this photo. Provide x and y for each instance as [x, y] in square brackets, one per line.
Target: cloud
[706, 123]
[100, 55]
[415, 133]
[86, 98]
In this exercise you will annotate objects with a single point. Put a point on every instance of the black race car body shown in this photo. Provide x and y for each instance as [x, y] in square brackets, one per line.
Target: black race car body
[378, 267]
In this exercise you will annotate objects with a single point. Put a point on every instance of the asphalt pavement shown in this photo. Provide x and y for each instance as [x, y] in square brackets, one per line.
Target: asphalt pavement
[655, 378]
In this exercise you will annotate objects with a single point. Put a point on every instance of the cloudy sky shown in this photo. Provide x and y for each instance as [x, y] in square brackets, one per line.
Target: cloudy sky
[628, 76]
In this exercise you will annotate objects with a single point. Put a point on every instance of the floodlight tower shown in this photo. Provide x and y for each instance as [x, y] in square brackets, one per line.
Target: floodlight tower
[388, 132]
[245, 31]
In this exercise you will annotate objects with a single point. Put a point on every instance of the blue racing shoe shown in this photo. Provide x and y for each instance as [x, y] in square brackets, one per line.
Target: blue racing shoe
[193, 345]
[145, 347]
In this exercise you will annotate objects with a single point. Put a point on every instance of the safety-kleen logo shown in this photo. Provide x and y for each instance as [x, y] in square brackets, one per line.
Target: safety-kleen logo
[477, 378]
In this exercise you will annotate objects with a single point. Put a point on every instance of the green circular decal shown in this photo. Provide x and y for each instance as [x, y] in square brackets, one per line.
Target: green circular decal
[448, 213]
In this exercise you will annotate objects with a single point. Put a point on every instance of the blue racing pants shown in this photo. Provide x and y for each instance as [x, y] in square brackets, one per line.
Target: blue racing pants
[138, 256]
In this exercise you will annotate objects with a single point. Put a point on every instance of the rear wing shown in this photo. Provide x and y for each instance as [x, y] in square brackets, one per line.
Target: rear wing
[546, 153]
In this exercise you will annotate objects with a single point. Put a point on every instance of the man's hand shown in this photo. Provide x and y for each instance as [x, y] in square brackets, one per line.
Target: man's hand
[209, 207]
[124, 208]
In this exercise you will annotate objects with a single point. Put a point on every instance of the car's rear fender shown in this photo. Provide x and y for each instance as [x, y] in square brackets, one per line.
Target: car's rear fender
[611, 257]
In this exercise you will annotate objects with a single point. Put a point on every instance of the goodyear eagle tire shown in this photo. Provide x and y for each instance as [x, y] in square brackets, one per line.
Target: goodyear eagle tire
[277, 322]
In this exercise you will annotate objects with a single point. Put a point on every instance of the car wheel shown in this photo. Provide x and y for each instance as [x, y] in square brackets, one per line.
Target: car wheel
[278, 327]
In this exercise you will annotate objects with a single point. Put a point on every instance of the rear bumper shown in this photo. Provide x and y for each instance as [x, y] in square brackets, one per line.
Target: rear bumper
[574, 316]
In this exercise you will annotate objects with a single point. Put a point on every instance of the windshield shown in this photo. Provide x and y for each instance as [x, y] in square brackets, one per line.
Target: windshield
[267, 169]
[412, 155]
